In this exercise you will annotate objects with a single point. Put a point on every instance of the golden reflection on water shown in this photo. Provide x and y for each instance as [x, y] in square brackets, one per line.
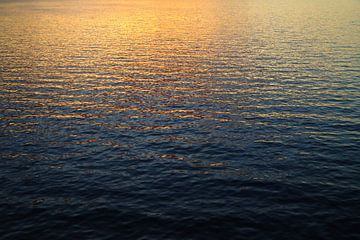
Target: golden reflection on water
[214, 61]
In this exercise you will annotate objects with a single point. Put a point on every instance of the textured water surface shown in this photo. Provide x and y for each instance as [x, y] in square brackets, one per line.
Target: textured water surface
[193, 119]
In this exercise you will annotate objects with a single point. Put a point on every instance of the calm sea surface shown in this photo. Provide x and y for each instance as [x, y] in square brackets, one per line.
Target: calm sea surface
[182, 119]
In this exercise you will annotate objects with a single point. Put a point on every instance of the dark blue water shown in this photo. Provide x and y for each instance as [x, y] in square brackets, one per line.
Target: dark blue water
[187, 119]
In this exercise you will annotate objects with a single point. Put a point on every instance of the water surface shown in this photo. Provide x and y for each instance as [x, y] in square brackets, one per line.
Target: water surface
[201, 119]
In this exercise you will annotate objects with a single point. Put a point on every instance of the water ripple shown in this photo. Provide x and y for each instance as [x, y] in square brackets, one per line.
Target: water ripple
[179, 120]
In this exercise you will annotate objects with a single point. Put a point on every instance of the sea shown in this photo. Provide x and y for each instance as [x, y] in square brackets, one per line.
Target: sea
[180, 119]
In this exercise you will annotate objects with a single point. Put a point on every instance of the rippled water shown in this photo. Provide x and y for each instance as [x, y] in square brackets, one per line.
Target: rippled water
[201, 119]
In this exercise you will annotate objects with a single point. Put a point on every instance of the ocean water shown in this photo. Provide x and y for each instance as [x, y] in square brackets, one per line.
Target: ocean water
[182, 119]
